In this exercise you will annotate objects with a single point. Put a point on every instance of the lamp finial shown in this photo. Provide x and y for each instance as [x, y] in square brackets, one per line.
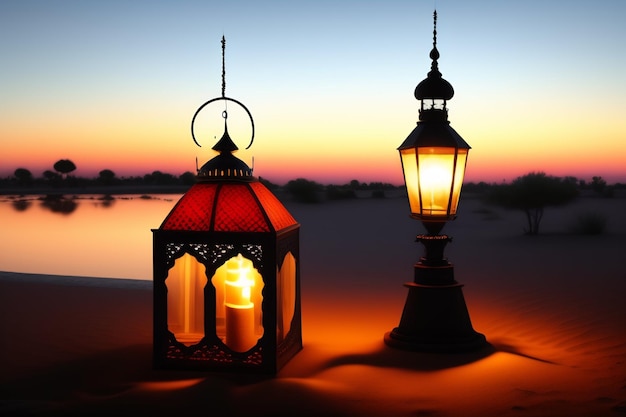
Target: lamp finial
[434, 54]
[223, 66]
[434, 87]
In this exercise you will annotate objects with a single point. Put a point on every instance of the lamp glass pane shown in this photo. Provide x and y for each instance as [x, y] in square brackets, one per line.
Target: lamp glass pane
[459, 174]
[185, 299]
[409, 168]
[286, 295]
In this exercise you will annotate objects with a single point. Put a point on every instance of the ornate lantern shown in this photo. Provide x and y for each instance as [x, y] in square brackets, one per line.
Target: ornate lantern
[435, 317]
[227, 271]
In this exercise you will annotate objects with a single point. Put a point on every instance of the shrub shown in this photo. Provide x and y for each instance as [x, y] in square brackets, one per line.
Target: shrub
[304, 191]
[531, 193]
[590, 224]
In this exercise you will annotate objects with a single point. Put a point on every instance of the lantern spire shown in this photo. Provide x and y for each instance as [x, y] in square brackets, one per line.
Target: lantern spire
[223, 66]
[225, 144]
[224, 113]
[225, 165]
[434, 91]
[434, 53]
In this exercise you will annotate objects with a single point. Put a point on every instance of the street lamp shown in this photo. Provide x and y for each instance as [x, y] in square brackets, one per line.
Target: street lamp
[433, 156]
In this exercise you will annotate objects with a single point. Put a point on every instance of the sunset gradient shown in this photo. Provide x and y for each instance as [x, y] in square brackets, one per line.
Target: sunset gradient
[539, 86]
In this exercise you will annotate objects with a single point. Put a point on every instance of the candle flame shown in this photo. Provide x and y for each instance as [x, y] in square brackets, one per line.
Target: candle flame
[240, 277]
[245, 292]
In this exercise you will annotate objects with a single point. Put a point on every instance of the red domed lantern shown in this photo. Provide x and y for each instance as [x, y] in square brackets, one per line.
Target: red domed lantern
[227, 272]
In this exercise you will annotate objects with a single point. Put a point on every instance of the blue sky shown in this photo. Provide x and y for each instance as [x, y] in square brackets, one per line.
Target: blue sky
[329, 83]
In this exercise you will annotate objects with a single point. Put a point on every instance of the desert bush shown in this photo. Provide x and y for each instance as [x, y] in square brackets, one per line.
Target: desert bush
[590, 223]
[64, 167]
[531, 193]
[24, 176]
[304, 191]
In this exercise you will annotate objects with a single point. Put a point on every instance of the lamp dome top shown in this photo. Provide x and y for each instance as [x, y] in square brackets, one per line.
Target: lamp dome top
[225, 165]
[434, 86]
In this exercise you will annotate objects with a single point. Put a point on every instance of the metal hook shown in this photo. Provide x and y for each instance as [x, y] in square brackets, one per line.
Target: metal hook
[224, 115]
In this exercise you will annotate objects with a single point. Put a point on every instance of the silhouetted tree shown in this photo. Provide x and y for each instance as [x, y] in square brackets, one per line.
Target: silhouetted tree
[48, 174]
[356, 185]
[106, 177]
[64, 167]
[304, 191]
[187, 178]
[531, 193]
[23, 176]
[159, 178]
[51, 176]
[598, 184]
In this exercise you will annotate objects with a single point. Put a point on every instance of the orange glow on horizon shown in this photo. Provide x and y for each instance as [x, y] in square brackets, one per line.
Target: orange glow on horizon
[498, 153]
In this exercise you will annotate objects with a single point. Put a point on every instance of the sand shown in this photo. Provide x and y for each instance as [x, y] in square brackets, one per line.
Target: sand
[551, 306]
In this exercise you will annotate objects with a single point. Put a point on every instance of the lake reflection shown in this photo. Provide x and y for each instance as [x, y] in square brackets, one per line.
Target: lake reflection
[90, 235]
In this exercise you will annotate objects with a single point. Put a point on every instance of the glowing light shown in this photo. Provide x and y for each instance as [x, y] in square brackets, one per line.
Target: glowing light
[434, 177]
[240, 334]
[170, 385]
[185, 284]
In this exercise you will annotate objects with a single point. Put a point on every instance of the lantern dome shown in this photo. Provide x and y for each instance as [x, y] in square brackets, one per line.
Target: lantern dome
[434, 87]
[229, 207]
[225, 166]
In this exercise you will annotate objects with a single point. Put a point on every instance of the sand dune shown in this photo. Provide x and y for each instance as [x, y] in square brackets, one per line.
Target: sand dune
[551, 306]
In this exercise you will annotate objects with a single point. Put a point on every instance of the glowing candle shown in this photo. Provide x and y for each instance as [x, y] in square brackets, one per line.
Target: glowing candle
[240, 334]
[435, 184]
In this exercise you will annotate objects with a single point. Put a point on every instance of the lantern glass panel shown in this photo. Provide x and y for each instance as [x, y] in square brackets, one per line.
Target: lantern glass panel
[409, 167]
[286, 287]
[433, 178]
[185, 299]
[238, 305]
[459, 174]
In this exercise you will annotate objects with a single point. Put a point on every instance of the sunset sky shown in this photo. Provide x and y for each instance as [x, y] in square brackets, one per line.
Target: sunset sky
[539, 85]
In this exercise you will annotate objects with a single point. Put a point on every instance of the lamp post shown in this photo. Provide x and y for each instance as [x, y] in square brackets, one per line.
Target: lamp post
[226, 264]
[433, 156]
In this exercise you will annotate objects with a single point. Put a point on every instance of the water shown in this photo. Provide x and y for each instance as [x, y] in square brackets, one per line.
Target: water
[84, 236]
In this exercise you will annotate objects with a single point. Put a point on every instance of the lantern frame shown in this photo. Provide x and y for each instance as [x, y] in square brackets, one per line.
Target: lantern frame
[227, 213]
[433, 158]
[267, 252]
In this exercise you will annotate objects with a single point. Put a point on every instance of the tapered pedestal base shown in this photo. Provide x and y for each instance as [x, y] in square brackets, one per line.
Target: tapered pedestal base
[435, 319]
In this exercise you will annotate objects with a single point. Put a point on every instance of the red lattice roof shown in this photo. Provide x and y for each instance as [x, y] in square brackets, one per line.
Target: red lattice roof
[229, 207]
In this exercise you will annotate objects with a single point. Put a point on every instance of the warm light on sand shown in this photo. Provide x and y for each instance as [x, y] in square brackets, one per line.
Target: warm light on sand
[553, 314]
[170, 385]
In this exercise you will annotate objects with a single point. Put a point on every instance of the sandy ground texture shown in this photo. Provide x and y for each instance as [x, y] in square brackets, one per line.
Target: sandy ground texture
[551, 306]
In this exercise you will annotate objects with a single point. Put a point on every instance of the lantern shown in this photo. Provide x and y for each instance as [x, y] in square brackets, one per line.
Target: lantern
[226, 271]
[433, 156]
[433, 160]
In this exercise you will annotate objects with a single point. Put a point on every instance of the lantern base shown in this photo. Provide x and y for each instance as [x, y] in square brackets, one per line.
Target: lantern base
[435, 319]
